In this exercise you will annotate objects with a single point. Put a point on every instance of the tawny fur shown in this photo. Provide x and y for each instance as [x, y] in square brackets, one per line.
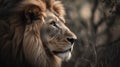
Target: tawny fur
[20, 44]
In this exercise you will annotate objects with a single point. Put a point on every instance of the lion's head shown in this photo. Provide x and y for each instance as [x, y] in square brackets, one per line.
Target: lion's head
[57, 36]
[38, 34]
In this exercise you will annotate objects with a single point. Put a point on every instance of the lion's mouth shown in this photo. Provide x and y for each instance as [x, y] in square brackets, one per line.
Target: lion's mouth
[58, 52]
[64, 55]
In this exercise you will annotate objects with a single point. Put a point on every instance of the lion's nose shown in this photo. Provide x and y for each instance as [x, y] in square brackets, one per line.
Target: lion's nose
[71, 40]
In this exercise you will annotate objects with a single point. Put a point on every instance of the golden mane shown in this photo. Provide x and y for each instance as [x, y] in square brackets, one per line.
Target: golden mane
[15, 50]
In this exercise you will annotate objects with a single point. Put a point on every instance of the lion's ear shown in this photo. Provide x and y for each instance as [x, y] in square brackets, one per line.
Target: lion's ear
[33, 13]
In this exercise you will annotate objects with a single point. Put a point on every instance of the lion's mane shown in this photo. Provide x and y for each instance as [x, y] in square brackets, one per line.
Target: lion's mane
[21, 44]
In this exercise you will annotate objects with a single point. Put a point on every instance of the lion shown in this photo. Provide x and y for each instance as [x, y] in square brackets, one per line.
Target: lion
[33, 34]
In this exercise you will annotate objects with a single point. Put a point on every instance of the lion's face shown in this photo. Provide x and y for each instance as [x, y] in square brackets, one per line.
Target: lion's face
[57, 36]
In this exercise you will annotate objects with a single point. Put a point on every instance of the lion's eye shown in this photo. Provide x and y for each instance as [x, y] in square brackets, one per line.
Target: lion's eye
[53, 23]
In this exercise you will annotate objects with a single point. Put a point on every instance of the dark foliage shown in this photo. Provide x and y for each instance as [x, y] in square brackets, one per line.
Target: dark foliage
[97, 25]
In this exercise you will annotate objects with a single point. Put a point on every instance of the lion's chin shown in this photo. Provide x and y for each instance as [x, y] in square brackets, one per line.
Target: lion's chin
[64, 56]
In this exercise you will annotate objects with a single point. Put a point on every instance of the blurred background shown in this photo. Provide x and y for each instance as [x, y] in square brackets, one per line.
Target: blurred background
[97, 26]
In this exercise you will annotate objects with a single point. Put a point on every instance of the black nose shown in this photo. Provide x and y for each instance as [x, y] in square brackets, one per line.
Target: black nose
[71, 40]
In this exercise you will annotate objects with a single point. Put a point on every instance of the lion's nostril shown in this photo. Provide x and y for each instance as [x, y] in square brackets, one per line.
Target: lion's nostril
[71, 40]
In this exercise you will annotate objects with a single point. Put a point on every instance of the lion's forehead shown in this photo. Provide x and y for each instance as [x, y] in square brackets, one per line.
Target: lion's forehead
[52, 17]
